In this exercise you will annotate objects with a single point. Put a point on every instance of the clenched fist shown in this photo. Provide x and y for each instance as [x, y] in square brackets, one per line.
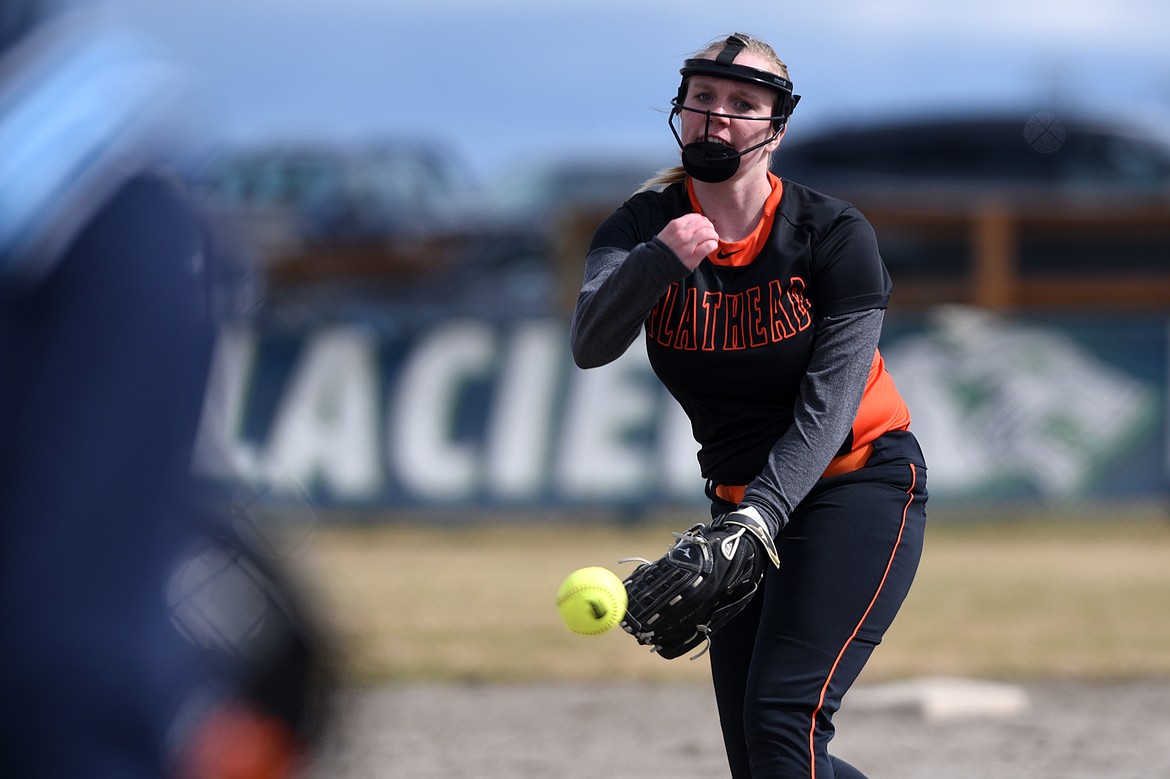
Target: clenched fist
[692, 237]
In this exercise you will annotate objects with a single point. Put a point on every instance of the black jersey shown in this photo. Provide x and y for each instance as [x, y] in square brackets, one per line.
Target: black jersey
[732, 340]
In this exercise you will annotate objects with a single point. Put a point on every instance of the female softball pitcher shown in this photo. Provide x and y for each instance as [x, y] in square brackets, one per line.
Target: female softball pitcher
[762, 303]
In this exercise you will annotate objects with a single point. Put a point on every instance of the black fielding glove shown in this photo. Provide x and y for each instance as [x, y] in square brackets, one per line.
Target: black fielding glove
[707, 576]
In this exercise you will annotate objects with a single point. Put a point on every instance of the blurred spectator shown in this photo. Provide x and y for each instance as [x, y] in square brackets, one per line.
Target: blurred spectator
[105, 344]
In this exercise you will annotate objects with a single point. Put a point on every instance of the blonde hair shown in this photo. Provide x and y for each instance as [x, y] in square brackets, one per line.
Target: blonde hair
[676, 173]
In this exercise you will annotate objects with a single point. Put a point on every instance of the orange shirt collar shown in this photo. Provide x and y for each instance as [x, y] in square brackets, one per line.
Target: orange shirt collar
[739, 253]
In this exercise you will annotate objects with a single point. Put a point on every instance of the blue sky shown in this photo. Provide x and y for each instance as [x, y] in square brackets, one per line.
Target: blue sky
[505, 83]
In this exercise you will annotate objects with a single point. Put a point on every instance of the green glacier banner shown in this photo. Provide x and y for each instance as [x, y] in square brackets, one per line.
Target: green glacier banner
[448, 410]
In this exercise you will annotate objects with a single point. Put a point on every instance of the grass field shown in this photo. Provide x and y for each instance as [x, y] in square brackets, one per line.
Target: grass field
[416, 600]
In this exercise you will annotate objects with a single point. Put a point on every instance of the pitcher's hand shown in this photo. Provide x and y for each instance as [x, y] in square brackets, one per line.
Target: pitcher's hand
[691, 237]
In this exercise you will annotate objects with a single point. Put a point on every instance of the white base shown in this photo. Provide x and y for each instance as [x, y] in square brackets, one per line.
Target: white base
[941, 698]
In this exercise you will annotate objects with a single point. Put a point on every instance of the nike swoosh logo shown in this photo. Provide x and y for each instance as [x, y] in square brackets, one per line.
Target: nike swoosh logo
[724, 255]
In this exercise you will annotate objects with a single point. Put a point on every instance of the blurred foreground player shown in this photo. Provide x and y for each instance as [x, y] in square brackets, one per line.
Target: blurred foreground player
[105, 346]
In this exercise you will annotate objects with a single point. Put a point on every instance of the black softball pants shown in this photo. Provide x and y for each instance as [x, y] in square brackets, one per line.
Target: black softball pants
[847, 559]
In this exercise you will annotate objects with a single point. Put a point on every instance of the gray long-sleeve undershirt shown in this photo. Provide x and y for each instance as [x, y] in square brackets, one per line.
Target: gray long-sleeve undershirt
[829, 397]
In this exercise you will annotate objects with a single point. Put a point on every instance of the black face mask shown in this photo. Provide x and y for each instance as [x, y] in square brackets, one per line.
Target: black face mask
[712, 162]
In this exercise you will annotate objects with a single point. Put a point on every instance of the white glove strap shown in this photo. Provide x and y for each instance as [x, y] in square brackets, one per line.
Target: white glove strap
[749, 517]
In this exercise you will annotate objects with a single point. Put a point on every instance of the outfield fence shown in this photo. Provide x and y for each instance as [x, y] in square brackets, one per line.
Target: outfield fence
[445, 409]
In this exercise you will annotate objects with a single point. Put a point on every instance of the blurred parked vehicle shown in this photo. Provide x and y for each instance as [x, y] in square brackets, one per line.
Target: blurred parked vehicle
[1037, 154]
[543, 191]
[335, 225]
[287, 197]
[1002, 208]
[398, 224]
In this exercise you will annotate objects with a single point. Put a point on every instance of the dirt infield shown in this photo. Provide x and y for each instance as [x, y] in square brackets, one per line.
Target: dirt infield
[480, 679]
[1065, 730]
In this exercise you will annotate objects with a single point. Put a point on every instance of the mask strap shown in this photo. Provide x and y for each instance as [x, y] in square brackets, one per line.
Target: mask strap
[731, 49]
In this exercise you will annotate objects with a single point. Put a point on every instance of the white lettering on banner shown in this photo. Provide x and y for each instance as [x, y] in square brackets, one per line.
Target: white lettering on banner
[521, 422]
[420, 434]
[219, 452]
[607, 408]
[326, 425]
[549, 431]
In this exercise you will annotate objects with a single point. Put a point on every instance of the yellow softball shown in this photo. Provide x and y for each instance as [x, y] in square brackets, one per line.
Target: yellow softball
[591, 600]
